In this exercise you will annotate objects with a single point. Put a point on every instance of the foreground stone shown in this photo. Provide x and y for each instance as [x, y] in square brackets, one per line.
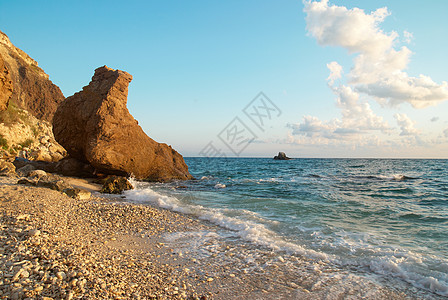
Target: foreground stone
[39, 178]
[116, 185]
[7, 169]
[67, 166]
[95, 126]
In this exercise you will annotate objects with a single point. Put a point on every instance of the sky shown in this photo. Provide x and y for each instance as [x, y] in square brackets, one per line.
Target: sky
[250, 78]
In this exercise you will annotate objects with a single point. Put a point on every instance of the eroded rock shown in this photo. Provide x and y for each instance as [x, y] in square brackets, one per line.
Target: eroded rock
[116, 185]
[5, 85]
[31, 87]
[7, 169]
[95, 126]
[76, 193]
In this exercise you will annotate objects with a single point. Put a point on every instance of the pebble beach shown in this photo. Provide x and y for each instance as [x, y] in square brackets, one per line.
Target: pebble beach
[56, 247]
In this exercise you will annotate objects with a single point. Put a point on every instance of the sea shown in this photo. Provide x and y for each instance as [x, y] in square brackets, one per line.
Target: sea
[384, 218]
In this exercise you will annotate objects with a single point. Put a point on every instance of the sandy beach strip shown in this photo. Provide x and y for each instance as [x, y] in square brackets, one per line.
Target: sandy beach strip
[53, 246]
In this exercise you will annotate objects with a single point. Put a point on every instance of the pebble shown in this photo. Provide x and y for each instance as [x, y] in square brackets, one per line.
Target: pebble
[33, 233]
[70, 295]
[73, 282]
[61, 275]
[39, 288]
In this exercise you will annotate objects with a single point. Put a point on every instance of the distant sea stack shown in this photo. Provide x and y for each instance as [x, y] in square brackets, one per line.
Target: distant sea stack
[95, 126]
[281, 156]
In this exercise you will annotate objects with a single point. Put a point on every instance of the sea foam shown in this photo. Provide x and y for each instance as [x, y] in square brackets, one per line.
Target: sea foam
[248, 230]
[248, 226]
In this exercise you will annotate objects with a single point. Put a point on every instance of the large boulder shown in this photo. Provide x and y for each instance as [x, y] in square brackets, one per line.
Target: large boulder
[68, 166]
[116, 185]
[95, 126]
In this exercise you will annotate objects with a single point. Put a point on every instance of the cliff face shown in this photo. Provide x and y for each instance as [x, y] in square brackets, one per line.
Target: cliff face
[28, 101]
[95, 126]
[5, 85]
[31, 89]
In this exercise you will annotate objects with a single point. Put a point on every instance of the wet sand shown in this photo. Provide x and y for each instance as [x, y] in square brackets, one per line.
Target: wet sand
[53, 246]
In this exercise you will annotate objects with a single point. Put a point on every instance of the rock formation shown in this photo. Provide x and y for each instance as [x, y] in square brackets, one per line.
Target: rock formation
[31, 88]
[40, 178]
[116, 185]
[31, 138]
[7, 169]
[28, 100]
[281, 156]
[67, 166]
[95, 126]
[5, 85]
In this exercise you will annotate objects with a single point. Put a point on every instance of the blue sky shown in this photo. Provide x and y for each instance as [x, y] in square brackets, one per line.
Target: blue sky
[336, 70]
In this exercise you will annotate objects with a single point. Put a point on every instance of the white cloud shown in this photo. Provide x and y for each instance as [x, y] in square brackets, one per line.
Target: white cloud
[378, 69]
[408, 36]
[406, 125]
[351, 29]
[357, 117]
[356, 114]
[378, 73]
[335, 72]
[434, 119]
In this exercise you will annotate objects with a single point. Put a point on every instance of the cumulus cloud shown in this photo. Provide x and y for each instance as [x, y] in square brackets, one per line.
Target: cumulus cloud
[357, 117]
[378, 74]
[406, 125]
[335, 72]
[357, 114]
[378, 69]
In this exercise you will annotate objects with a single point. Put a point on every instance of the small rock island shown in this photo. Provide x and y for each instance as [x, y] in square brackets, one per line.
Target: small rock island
[281, 156]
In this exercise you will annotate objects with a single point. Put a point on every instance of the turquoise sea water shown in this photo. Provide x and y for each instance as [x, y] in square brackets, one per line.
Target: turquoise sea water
[387, 217]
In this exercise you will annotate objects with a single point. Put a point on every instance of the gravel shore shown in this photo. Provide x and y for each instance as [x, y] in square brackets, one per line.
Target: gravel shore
[55, 247]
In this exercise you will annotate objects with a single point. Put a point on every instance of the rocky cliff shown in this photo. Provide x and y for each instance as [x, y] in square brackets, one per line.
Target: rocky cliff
[5, 85]
[28, 100]
[95, 126]
[31, 88]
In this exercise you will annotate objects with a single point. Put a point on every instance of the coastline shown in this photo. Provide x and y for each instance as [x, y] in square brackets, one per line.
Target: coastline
[105, 248]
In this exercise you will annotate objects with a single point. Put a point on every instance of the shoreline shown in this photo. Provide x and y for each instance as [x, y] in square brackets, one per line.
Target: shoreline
[57, 247]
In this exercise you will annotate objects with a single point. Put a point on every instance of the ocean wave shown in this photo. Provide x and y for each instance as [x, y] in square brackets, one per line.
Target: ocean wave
[408, 270]
[392, 177]
[357, 166]
[342, 248]
[248, 230]
[423, 271]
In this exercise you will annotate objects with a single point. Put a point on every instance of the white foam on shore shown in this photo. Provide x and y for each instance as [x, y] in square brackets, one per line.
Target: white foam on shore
[246, 229]
[249, 226]
[424, 271]
[220, 186]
